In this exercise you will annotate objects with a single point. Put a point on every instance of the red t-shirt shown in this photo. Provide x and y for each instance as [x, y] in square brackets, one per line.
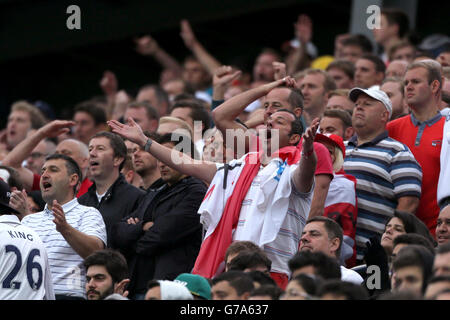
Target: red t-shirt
[427, 154]
[83, 188]
[324, 164]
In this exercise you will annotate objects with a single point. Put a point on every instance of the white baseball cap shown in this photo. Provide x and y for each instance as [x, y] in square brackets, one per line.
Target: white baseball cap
[375, 94]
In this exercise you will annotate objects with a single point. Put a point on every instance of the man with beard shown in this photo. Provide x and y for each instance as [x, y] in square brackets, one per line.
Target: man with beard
[106, 274]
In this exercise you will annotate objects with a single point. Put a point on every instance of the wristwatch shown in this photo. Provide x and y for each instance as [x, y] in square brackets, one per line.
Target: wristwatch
[148, 144]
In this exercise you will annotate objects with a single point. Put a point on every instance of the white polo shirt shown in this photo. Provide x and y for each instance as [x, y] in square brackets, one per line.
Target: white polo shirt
[24, 267]
[68, 272]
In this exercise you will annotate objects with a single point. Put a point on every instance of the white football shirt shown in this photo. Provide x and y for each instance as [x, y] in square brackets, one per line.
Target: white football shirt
[24, 268]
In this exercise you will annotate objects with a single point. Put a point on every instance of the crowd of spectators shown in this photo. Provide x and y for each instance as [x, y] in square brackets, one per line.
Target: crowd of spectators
[312, 177]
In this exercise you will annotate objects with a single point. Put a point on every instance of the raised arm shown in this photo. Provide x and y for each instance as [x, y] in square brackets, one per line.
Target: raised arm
[15, 158]
[299, 59]
[304, 174]
[224, 115]
[222, 79]
[147, 46]
[191, 42]
[177, 160]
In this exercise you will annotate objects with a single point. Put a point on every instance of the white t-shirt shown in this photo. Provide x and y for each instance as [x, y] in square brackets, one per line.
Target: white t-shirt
[285, 245]
[24, 267]
[68, 272]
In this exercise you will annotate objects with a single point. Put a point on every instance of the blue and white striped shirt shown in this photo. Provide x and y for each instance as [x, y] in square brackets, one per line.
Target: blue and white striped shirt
[66, 266]
[385, 170]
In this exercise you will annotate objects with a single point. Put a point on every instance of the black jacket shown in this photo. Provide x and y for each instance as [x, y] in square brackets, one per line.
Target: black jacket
[119, 201]
[171, 245]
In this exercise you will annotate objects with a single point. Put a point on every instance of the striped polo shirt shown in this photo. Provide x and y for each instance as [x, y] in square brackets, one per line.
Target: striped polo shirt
[66, 266]
[385, 170]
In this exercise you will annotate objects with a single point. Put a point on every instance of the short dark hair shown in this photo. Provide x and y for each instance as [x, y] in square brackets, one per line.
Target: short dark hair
[239, 280]
[309, 283]
[117, 144]
[160, 94]
[198, 112]
[273, 291]
[343, 115]
[325, 266]
[152, 283]
[415, 255]
[345, 66]
[348, 289]
[398, 17]
[334, 230]
[71, 166]
[295, 98]
[97, 113]
[261, 278]
[114, 262]
[400, 45]
[239, 246]
[379, 64]
[250, 259]
[414, 238]
[152, 113]
[359, 40]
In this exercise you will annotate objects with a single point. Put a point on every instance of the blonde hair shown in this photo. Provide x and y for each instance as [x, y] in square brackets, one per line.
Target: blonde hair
[37, 118]
[183, 124]
[339, 159]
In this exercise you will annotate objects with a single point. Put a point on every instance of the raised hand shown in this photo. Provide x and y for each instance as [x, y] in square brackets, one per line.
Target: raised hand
[146, 45]
[303, 28]
[309, 135]
[109, 83]
[187, 34]
[287, 81]
[56, 128]
[279, 70]
[225, 75]
[131, 131]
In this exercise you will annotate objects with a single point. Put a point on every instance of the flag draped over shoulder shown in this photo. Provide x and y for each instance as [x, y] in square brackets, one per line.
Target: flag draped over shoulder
[231, 184]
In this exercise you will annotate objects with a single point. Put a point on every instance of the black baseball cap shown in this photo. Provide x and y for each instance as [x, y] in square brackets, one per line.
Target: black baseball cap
[5, 193]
